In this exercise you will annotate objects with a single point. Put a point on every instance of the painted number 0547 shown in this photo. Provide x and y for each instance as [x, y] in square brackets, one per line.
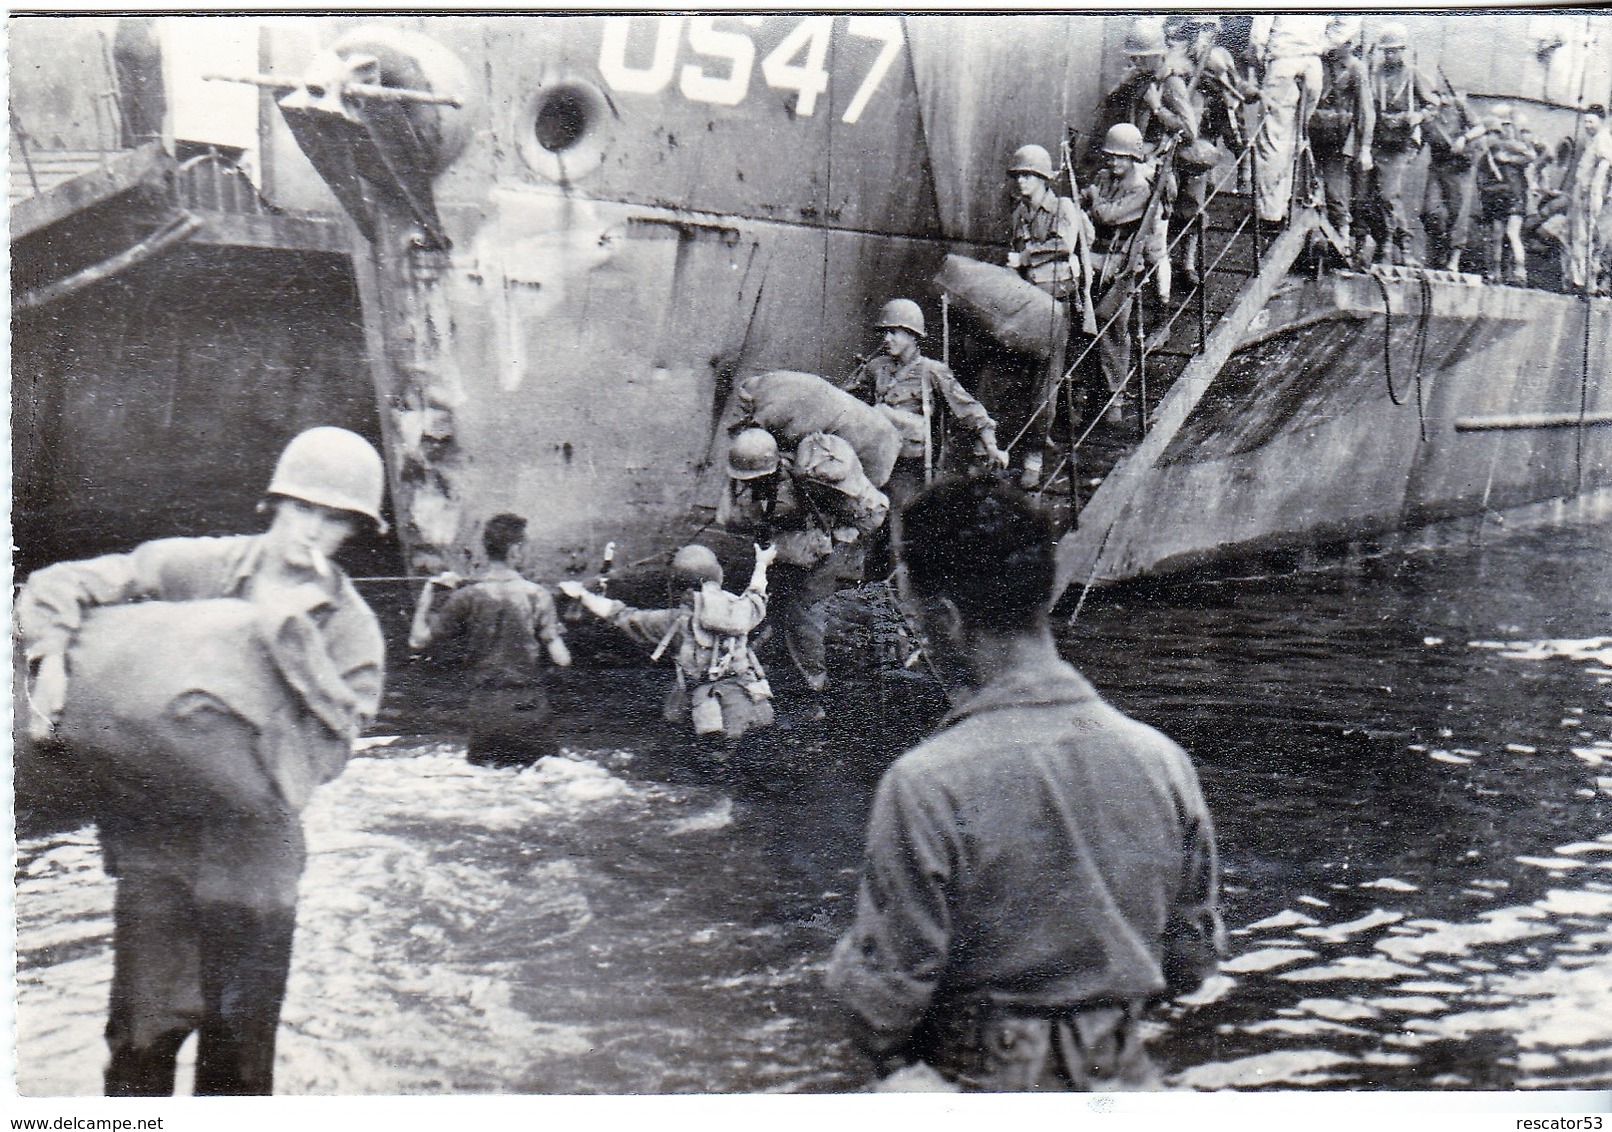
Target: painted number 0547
[723, 60]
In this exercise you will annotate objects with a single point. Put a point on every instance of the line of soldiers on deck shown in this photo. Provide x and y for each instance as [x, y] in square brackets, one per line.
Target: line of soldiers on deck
[1360, 120]
[1342, 129]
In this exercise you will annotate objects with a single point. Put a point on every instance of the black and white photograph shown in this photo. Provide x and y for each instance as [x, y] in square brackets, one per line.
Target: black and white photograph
[630, 552]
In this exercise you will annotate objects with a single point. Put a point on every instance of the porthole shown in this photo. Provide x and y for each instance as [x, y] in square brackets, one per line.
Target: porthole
[565, 129]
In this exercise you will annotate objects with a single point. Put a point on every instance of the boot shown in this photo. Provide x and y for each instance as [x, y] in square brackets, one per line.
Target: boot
[1366, 252]
[147, 1072]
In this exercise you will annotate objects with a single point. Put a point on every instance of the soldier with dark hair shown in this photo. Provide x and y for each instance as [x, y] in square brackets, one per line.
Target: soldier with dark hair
[502, 618]
[1043, 868]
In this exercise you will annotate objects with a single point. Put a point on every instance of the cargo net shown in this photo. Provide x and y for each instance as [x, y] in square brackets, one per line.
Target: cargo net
[1146, 341]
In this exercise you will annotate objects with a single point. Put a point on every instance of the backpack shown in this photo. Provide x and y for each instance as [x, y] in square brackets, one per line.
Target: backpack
[716, 636]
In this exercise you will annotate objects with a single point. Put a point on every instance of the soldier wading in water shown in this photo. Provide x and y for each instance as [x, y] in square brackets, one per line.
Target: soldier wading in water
[1043, 868]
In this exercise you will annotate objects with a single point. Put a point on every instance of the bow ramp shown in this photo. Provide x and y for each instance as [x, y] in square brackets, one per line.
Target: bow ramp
[1101, 547]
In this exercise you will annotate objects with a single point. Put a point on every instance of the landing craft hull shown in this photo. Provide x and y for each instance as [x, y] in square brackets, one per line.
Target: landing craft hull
[649, 208]
[630, 230]
[1298, 444]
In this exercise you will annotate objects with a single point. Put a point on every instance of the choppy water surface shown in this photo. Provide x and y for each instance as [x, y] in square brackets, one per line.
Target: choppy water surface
[1410, 762]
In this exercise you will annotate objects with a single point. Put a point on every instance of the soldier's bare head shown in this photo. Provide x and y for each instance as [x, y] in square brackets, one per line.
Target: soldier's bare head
[984, 547]
[502, 534]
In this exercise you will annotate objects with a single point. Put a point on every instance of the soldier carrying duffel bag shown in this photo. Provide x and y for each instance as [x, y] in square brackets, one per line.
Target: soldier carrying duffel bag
[209, 684]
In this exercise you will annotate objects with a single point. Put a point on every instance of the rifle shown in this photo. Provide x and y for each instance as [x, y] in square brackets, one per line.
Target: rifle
[1458, 98]
[1155, 203]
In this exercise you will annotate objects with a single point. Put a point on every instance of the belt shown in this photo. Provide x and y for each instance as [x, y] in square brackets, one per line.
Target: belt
[994, 1048]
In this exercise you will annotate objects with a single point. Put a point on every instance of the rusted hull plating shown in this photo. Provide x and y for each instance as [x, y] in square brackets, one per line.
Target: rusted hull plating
[650, 207]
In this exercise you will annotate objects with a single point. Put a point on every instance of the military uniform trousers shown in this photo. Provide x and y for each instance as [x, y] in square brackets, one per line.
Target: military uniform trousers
[1291, 89]
[1391, 218]
[1447, 208]
[1114, 310]
[799, 607]
[202, 928]
[510, 724]
[1341, 181]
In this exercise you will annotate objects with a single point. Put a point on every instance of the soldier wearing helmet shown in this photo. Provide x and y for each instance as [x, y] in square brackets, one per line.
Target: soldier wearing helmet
[1151, 95]
[721, 688]
[206, 897]
[1503, 160]
[1342, 126]
[812, 500]
[1118, 201]
[1050, 242]
[506, 623]
[1216, 93]
[909, 389]
[1401, 98]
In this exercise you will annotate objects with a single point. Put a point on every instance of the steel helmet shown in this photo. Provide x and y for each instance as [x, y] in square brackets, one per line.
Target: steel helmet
[1393, 35]
[1145, 36]
[334, 468]
[1125, 140]
[903, 313]
[697, 562]
[1343, 29]
[752, 454]
[1501, 111]
[1031, 159]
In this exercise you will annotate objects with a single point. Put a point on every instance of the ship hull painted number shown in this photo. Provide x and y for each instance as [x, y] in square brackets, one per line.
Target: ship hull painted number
[718, 58]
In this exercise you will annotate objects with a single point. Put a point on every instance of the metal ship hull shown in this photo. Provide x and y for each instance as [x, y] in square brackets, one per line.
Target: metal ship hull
[567, 260]
[1327, 436]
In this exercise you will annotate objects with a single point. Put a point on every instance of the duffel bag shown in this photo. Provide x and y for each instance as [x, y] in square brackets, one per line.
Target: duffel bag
[179, 707]
[1018, 314]
[793, 405]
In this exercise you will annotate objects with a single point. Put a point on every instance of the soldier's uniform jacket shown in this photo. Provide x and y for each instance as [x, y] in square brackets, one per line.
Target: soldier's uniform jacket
[504, 620]
[898, 384]
[1041, 854]
[337, 670]
[1214, 91]
[1345, 119]
[1117, 206]
[1443, 132]
[1045, 234]
[823, 498]
[1176, 114]
[1395, 95]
